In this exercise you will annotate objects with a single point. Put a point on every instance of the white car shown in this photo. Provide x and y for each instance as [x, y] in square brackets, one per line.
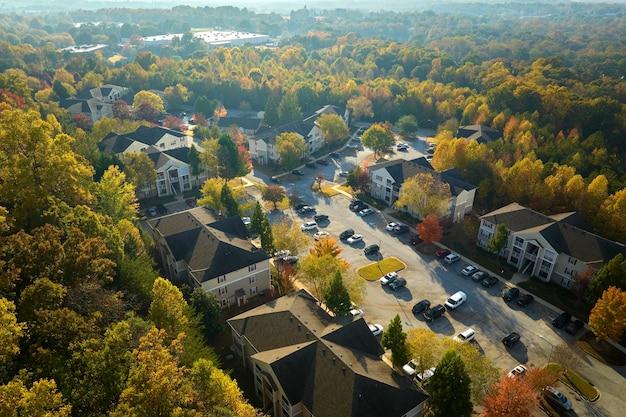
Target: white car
[519, 370]
[451, 258]
[321, 234]
[456, 300]
[469, 270]
[246, 220]
[343, 173]
[354, 239]
[466, 335]
[308, 226]
[410, 369]
[366, 212]
[402, 147]
[356, 312]
[376, 329]
[391, 226]
[387, 278]
[429, 158]
[424, 376]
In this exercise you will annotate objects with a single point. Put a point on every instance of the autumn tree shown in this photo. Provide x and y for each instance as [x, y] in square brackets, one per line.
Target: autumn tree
[274, 194]
[336, 296]
[424, 194]
[291, 148]
[394, 339]
[288, 236]
[499, 239]
[150, 99]
[10, 332]
[449, 388]
[612, 215]
[613, 273]
[211, 192]
[139, 169]
[209, 156]
[325, 246]
[424, 347]
[430, 230]
[358, 179]
[407, 124]
[360, 107]
[167, 309]
[510, 397]
[174, 123]
[608, 317]
[42, 399]
[378, 138]
[115, 197]
[333, 127]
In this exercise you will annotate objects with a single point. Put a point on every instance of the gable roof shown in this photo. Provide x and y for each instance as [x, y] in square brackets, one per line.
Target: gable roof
[114, 143]
[480, 133]
[562, 231]
[150, 135]
[330, 364]
[248, 123]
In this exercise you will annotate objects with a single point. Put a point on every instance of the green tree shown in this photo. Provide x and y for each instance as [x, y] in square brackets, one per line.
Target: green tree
[211, 194]
[266, 236]
[378, 138]
[41, 294]
[139, 169]
[613, 273]
[115, 197]
[10, 332]
[150, 99]
[291, 148]
[231, 161]
[194, 161]
[395, 340]
[449, 388]
[209, 156]
[176, 95]
[499, 239]
[270, 117]
[274, 194]
[231, 207]
[40, 400]
[256, 221]
[407, 124]
[336, 295]
[333, 127]
[208, 309]
[167, 310]
[136, 275]
[204, 106]
[289, 109]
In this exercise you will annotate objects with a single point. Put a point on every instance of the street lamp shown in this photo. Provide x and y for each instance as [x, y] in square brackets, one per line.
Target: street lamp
[551, 347]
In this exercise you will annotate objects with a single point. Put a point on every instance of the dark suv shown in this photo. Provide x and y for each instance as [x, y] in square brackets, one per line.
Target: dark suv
[435, 312]
[346, 234]
[511, 339]
[510, 294]
[561, 320]
[371, 249]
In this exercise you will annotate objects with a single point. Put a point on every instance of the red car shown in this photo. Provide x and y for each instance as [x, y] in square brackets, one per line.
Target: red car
[442, 253]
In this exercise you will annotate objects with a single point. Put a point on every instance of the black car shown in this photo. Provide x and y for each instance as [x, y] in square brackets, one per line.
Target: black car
[161, 209]
[319, 218]
[435, 312]
[334, 154]
[574, 327]
[561, 320]
[306, 210]
[421, 307]
[297, 172]
[510, 294]
[310, 164]
[403, 228]
[489, 282]
[357, 205]
[511, 339]
[371, 249]
[298, 206]
[415, 240]
[397, 284]
[322, 162]
[346, 234]
[275, 180]
[525, 299]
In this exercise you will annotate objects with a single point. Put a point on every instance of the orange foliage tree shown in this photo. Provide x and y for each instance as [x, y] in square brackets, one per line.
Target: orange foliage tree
[608, 317]
[510, 397]
[430, 230]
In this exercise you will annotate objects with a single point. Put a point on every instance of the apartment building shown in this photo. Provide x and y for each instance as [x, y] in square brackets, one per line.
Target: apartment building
[96, 103]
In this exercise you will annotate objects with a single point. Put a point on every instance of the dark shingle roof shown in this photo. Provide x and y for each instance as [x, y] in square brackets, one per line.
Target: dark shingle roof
[481, 133]
[302, 127]
[182, 154]
[335, 370]
[452, 177]
[114, 143]
[152, 134]
[247, 123]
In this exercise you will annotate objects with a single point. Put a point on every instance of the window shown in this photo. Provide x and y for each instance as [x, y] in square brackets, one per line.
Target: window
[549, 255]
[252, 279]
[223, 290]
[161, 145]
[224, 302]
[572, 261]
[252, 290]
[221, 279]
[252, 268]
[519, 241]
[546, 264]
[388, 182]
[379, 178]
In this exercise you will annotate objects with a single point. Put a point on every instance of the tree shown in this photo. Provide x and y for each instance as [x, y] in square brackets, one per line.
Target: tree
[361, 107]
[333, 127]
[174, 123]
[211, 192]
[336, 296]
[194, 161]
[288, 109]
[115, 197]
[232, 163]
[395, 340]
[150, 99]
[608, 317]
[612, 215]
[288, 236]
[121, 110]
[407, 124]
[41, 294]
[10, 332]
[613, 273]
[270, 117]
[209, 156]
[424, 194]
[204, 106]
[176, 95]
[424, 347]
[273, 193]
[449, 388]
[325, 246]
[378, 138]
[291, 148]
[208, 308]
[566, 356]
[40, 400]
[139, 169]
[167, 310]
[230, 205]
[510, 397]
[499, 239]
[266, 236]
[430, 230]
[256, 221]
[358, 179]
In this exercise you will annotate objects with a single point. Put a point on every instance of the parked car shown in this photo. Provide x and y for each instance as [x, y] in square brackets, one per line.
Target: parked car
[275, 180]
[305, 227]
[366, 212]
[152, 211]
[246, 220]
[371, 249]
[519, 370]
[376, 329]
[489, 282]
[429, 157]
[574, 327]
[391, 226]
[561, 320]
[451, 258]
[415, 240]
[456, 300]
[442, 253]
[310, 164]
[425, 376]
[388, 278]
[161, 209]
[321, 234]
[397, 284]
[401, 228]
[306, 210]
[511, 339]
[298, 206]
[525, 299]
[410, 369]
[356, 205]
[322, 162]
[434, 312]
[466, 335]
[297, 172]
[291, 259]
[479, 276]
[420, 307]
[346, 234]
[320, 218]
[354, 145]
[343, 173]
[335, 154]
[282, 253]
[356, 312]
[510, 294]
[468, 270]
[402, 147]
[557, 398]
[355, 238]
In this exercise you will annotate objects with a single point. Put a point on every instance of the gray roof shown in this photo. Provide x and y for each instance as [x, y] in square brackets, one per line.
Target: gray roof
[302, 127]
[332, 365]
[562, 231]
[210, 247]
[248, 123]
[481, 133]
[114, 143]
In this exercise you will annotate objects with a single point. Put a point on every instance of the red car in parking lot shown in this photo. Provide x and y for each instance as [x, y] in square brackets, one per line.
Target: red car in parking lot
[442, 253]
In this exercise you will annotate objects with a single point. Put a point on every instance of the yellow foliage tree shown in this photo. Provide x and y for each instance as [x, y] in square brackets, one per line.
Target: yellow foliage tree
[608, 317]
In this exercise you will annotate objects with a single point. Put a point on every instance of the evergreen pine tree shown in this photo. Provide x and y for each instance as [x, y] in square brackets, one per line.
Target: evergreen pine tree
[231, 207]
[267, 238]
[395, 340]
[449, 388]
[271, 112]
[256, 222]
[336, 295]
[289, 109]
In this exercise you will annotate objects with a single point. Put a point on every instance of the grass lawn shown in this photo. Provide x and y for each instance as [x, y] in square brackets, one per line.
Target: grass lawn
[375, 270]
[281, 205]
[557, 296]
[347, 189]
[574, 379]
[602, 351]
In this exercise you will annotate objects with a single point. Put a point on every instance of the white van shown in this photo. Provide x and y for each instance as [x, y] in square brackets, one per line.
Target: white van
[452, 258]
[466, 335]
[456, 300]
